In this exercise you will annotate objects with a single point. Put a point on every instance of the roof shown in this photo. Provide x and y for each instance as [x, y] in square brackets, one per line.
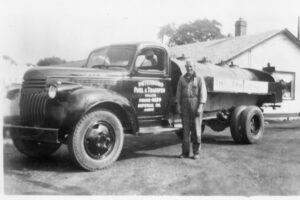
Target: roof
[227, 49]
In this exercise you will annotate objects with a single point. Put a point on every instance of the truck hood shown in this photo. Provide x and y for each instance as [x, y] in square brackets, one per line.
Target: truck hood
[60, 72]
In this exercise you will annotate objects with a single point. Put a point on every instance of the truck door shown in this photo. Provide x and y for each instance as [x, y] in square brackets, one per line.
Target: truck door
[151, 89]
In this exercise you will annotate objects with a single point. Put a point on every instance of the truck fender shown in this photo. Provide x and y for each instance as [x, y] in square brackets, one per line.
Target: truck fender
[84, 100]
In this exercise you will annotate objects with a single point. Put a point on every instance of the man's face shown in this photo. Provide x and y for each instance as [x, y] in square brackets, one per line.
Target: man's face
[189, 68]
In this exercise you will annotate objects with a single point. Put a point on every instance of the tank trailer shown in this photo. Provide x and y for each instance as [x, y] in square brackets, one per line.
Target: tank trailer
[123, 90]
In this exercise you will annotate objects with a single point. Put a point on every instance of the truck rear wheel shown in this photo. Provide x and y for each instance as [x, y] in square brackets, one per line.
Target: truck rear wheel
[235, 125]
[34, 148]
[97, 140]
[252, 125]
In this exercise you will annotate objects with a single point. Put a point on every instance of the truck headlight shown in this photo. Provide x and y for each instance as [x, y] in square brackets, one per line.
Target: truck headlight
[52, 91]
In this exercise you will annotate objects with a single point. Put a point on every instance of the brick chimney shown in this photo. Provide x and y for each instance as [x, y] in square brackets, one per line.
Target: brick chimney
[240, 27]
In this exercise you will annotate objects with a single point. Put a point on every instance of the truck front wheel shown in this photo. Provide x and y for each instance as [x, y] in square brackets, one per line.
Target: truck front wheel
[252, 125]
[35, 148]
[97, 140]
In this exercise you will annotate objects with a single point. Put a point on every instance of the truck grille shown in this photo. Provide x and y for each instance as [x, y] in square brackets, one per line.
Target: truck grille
[34, 83]
[33, 102]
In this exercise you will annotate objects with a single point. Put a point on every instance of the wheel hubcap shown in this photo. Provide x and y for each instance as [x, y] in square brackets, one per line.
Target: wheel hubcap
[99, 140]
[254, 125]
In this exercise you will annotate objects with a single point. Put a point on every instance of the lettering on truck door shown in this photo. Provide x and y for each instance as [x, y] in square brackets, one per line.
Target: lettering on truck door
[150, 85]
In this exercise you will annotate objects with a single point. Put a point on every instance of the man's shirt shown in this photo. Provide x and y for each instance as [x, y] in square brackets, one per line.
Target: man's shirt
[191, 86]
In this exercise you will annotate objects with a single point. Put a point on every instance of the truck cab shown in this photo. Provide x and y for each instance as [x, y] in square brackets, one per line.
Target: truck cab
[146, 80]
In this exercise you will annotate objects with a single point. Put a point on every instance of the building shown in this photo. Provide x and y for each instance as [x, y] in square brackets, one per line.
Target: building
[278, 48]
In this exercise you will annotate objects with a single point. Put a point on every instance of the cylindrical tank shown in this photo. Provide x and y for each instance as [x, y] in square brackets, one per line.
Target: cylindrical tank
[229, 87]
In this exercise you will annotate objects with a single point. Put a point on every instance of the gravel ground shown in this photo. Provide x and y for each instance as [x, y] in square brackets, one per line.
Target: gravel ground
[149, 165]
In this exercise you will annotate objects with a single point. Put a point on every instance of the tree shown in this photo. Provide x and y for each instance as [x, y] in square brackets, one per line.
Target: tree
[50, 61]
[191, 32]
[167, 30]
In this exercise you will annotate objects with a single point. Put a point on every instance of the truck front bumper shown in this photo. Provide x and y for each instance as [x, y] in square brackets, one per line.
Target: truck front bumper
[39, 134]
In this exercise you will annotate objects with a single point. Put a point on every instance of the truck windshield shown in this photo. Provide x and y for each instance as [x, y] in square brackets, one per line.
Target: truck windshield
[111, 58]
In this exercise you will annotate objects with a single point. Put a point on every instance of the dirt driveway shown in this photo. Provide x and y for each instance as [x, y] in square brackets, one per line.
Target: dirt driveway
[149, 165]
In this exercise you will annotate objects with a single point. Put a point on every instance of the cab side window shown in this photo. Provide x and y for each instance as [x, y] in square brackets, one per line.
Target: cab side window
[150, 60]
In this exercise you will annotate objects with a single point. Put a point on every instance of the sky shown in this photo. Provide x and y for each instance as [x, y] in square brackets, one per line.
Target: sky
[70, 29]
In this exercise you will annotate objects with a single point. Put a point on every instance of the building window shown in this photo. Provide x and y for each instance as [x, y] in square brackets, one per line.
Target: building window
[288, 81]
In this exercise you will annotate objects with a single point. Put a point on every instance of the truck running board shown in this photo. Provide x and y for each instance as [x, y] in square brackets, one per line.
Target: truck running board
[158, 130]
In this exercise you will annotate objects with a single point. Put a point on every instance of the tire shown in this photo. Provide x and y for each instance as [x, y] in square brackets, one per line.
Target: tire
[97, 140]
[235, 124]
[34, 148]
[252, 125]
[180, 132]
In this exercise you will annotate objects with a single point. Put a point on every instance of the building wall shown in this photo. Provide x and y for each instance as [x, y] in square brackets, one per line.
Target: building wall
[282, 53]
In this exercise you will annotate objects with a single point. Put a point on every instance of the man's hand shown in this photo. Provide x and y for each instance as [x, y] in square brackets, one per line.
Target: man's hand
[200, 108]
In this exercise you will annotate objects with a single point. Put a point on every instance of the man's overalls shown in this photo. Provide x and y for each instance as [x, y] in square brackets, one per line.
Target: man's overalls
[191, 91]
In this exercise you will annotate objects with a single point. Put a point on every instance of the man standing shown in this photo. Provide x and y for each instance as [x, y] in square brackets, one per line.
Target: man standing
[191, 96]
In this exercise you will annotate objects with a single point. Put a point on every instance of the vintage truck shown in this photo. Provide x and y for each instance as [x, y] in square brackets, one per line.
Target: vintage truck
[130, 89]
